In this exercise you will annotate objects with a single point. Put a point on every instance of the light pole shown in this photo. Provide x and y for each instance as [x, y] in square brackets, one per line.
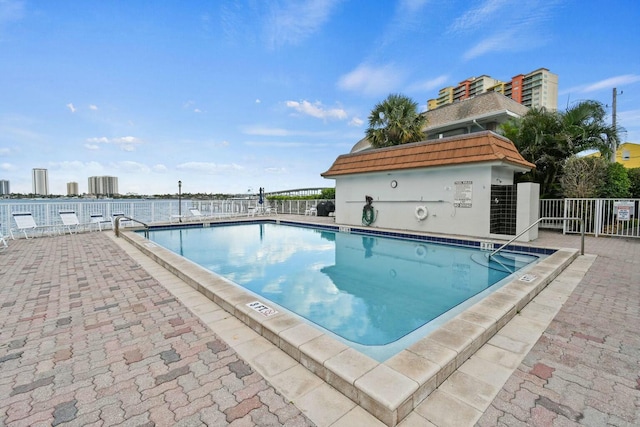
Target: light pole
[180, 201]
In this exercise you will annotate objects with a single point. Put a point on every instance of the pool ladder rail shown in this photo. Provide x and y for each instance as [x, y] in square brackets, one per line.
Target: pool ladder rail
[116, 228]
[544, 218]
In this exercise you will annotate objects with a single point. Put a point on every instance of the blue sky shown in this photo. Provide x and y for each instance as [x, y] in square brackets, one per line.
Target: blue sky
[230, 96]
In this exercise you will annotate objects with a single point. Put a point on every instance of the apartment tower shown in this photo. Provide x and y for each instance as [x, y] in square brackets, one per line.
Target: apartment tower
[72, 189]
[40, 181]
[4, 187]
[537, 89]
[103, 185]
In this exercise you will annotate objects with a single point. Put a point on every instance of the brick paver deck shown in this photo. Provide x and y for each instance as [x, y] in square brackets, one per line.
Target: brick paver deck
[89, 338]
[585, 369]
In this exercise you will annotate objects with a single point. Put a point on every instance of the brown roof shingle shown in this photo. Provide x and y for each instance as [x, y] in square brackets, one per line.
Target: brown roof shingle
[464, 149]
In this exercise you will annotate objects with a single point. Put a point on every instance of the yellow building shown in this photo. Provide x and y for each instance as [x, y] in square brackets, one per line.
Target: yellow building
[627, 154]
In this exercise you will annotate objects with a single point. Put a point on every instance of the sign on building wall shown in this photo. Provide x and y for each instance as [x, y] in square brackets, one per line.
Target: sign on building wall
[463, 194]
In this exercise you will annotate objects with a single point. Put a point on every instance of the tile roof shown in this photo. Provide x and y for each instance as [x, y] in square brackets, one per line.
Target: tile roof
[488, 103]
[458, 150]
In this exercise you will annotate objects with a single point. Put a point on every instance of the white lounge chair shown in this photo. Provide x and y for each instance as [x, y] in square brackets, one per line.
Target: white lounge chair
[311, 211]
[3, 241]
[196, 215]
[24, 221]
[99, 221]
[256, 210]
[123, 222]
[70, 221]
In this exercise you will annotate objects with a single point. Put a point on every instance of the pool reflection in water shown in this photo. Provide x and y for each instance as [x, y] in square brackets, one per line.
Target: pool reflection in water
[366, 289]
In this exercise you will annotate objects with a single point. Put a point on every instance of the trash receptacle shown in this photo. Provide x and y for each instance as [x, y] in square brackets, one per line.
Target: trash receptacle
[324, 208]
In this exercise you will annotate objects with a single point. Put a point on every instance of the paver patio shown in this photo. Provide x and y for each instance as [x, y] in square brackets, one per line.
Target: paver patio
[89, 337]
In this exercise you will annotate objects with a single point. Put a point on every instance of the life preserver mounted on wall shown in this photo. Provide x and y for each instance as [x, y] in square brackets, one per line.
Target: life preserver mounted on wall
[422, 213]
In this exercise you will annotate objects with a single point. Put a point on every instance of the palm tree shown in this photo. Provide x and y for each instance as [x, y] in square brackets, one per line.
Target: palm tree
[395, 121]
[547, 138]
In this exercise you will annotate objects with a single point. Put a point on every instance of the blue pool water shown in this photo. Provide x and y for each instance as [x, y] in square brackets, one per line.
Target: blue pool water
[369, 290]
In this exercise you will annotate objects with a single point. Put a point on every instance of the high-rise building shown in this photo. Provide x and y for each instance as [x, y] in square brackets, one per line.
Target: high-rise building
[538, 88]
[4, 187]
[72, 189]
[40, 181]
[103, 185]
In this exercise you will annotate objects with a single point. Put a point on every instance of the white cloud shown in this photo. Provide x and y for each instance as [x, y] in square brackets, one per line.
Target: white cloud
[197, 110]
[258, 101]
[126, 143]
[273, 170]
[283, 144]
[356, 122]
[5, 151]
[126, 140]
[8, 167]
[630, 116]
[129, 166]
[495, 43]
[478, 16]
[429, 85]
[608, 84]
[160, 168]
[612, 82]
[100, 140]
[372, 80]
[71, 107]
[292, 22]
[522, 27]
[412, 6]
[93, 107]
[264, 131]
[317, 110]
[208, 167]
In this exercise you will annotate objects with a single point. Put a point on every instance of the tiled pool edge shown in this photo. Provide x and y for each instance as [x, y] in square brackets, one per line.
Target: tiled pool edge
[389, 390]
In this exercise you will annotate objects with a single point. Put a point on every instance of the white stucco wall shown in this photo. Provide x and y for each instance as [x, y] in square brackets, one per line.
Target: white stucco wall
[528, 210]
[434, 188]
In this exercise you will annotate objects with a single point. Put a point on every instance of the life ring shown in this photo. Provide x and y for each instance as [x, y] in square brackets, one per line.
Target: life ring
[422, 213]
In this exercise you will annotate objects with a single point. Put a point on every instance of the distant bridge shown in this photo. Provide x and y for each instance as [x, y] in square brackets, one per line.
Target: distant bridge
[299, 192]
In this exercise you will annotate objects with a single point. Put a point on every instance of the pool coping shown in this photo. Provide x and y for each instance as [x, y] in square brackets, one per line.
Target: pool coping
[388, 390]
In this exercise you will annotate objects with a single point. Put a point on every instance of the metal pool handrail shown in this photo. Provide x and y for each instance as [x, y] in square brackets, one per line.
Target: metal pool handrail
[117, 226]
[543, 219]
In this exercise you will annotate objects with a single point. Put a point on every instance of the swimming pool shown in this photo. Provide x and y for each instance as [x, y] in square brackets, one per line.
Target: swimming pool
[373, 292]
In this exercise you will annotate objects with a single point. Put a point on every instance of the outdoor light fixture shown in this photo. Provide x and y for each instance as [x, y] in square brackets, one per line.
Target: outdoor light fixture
[180, 201]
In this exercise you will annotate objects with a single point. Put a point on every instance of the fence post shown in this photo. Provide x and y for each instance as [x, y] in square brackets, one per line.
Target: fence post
[598, 220]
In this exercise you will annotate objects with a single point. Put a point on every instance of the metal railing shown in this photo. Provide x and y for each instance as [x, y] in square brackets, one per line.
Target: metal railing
[536, 223]
[116, 227]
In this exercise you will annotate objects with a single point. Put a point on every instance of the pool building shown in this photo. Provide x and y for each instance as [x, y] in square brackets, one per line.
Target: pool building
[461, 185]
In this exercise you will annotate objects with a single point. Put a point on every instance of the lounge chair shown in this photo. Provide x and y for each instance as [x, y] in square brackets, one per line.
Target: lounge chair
[123, 222]
[311, 211]
[196, 215]
[3, 241]
[24, 221]
[70, 221]
[99, 221]
[256, 210]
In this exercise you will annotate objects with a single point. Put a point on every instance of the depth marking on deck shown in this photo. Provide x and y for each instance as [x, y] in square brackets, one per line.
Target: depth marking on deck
[262, 309]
